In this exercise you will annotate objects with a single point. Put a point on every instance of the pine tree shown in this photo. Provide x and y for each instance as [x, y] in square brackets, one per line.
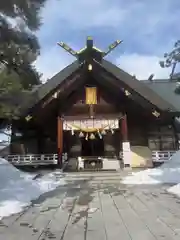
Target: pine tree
[172, 58]
[19, 48]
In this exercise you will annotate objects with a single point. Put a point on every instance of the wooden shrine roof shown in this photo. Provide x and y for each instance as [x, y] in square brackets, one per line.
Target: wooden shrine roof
[159, 94]
[28, 100]
[140, 87]
[166, 89]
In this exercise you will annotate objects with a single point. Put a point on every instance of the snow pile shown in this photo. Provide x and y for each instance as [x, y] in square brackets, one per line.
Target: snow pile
[168, 172]
[175, 190]
[18, 189]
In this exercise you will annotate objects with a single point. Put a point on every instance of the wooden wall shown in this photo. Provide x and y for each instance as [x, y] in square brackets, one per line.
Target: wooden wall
[142, 131]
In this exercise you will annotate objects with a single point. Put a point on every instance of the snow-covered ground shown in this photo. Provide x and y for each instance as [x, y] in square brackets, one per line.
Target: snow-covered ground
[18, 189]
[175, 190]
[169, 172]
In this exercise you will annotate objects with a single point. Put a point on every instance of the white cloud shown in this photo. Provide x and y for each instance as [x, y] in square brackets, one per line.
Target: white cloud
[52, 61]
[142, 66]
[82, 14]
[148, 23]
[145, 16]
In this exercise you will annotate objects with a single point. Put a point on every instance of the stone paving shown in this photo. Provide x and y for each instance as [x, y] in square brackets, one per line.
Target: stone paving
[97, 206]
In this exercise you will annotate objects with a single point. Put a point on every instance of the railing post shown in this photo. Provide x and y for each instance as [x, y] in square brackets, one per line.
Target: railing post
[42, 157]
[30, 158]
[19, 158]
[157, 156]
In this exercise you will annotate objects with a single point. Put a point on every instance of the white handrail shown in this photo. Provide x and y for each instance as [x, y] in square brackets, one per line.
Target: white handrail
[33, 159]
[162, 156]
[158, 156]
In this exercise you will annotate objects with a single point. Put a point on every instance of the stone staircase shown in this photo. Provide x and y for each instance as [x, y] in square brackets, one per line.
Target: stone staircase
[94, 178]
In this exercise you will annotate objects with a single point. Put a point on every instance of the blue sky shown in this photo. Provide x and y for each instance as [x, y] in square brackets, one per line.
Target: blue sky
[148, 28]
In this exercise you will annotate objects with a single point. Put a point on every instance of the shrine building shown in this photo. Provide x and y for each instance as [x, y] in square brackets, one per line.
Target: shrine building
[94, 110]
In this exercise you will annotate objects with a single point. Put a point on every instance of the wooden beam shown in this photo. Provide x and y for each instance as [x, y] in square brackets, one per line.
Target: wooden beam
[62, 89]
[106, 79]
[60, 140]
[98, 116]
[71, 99]
[42, 115]
[108, 95]
[124, 128]
[59, 90]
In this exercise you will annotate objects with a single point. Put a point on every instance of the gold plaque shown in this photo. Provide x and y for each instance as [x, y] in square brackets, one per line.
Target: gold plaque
[91, 95]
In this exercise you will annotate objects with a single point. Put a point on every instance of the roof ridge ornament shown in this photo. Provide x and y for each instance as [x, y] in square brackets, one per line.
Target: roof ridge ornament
[89, 52]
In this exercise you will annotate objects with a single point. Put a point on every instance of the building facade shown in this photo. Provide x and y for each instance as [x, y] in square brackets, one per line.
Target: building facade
[93, 108]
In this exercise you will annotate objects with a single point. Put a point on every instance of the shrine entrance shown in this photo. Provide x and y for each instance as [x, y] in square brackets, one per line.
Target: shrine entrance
[94, 136]
[92, 147]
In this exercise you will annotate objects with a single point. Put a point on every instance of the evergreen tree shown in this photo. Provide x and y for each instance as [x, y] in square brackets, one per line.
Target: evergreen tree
[10, 89]
[18, 44]
[172, 58]
[19, 48]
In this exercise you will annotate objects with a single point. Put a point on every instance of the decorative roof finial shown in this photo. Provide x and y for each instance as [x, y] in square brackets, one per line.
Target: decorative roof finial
[89, 52]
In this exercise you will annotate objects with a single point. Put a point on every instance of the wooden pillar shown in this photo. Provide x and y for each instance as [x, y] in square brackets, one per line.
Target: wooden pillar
[124, 129]
[59, 140]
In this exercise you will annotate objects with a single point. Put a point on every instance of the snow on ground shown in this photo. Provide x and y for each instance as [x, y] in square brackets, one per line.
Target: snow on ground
[18, 189]
[175, 190]
[169, 172]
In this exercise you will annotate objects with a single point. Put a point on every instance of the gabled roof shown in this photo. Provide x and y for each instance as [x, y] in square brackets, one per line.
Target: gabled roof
[57, 79]
[140, 87]
[153, 94]
[41, 91]
[159, 95]
[166, 89]
[91, 55]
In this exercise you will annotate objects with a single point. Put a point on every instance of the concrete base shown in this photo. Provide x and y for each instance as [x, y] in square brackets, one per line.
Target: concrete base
[109, 164]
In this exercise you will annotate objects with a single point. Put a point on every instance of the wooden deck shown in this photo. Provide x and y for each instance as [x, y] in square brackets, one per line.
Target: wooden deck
[97, 206]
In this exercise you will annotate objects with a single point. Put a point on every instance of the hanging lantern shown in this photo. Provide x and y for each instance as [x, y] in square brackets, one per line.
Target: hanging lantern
[92, 137]
[81, 134]
[72, 132]
[90, 67]
[86, 138]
